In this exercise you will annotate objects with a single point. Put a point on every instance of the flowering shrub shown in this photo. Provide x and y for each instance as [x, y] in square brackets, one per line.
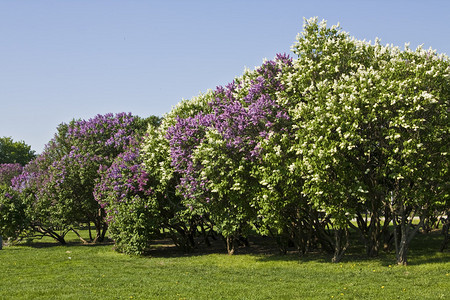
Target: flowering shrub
[94, 144]
[104, 135]
[61, 180]
[181, 223]
[374, 123]
[37, 188]
[123, 191]
[215, 152]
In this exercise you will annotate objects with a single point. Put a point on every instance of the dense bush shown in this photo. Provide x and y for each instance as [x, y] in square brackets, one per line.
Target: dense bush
[123, 192]
[215, 153]
[43, 213]
[13, 220]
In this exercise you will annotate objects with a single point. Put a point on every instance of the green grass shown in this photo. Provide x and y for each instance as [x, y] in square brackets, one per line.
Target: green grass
[44, 270]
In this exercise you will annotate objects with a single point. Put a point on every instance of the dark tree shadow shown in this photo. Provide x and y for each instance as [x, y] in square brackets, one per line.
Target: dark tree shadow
[424, 250]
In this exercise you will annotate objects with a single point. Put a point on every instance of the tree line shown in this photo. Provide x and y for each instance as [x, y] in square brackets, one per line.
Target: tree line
[346, 136]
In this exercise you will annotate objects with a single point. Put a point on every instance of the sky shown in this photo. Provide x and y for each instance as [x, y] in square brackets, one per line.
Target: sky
[64, 60]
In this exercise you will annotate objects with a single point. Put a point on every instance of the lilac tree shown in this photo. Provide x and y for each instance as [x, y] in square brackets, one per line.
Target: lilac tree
[94, 144]
[62, 181]
[373, 133]
[177, 219]
[44, 215]
[216, 150]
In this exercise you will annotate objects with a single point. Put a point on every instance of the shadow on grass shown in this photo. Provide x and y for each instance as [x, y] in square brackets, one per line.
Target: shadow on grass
[263, 249]
[45, 244]
[424, 250]
[428, 260]
[257, 246]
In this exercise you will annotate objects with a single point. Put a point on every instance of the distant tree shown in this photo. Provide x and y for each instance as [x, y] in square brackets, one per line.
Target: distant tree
[15, 152]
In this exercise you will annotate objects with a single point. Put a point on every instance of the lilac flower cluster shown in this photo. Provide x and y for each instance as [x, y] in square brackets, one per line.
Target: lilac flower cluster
[93, 143]
[185, 135]
[243, 113]
[105, 135]
[33, 175]
[21, 181]
[8, 172]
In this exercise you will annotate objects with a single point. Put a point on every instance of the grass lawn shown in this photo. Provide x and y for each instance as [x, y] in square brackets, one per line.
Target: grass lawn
[46, 270]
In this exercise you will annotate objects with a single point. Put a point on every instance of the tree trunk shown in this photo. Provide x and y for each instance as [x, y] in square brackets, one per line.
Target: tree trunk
[61, 240]
[324, 238]
[406, 234]
[386, 236]
[98, 233]
[341, 244]
[373, 243]
[100, 226]
[79, 236]
[231, 245]
[445, 229]
[402, 258]
[49, 232]
[104, 230]
[205, 235]
[90, 231]
[281, 240]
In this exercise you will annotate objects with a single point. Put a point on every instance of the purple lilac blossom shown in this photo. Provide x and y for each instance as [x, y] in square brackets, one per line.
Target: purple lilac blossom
[8, 172]
[125, 180]
[241, 123]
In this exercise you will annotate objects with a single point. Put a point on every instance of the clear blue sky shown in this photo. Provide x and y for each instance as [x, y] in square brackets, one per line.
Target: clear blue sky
[61, 60]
